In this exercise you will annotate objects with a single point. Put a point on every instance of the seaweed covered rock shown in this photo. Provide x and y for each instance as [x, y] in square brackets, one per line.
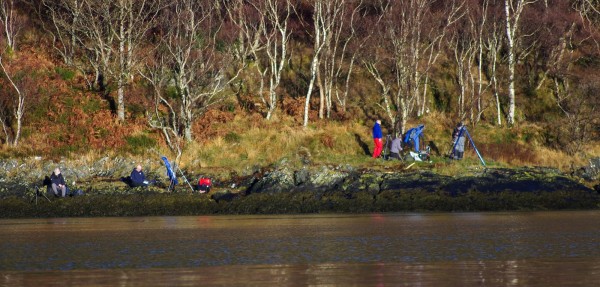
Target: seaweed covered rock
[326, 179]
[422, 180]
[225, 195]
[278, 180]
[590, 172]
[514, 180]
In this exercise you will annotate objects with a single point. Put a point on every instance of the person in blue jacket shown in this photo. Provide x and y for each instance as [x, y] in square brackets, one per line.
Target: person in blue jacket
[138, 178]
[377, 138]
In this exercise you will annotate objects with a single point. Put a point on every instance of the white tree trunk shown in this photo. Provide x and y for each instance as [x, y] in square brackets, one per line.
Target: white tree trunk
[313, 74]
[10, 24]
[19, 108]
[320, 33]
[513, 13]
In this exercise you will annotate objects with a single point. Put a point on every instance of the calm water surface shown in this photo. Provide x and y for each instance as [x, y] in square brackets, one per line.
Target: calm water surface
[470, 249]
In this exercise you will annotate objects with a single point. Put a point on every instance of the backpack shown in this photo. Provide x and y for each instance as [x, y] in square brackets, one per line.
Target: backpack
[77, 192]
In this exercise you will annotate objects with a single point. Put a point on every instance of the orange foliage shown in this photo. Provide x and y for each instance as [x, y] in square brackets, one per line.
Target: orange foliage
[204, 129]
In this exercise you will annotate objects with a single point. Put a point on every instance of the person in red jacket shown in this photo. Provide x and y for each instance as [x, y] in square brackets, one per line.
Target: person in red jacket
[204, 184]
[377, 138]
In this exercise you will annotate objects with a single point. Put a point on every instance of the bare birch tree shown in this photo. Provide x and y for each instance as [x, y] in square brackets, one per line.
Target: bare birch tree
[513, 11]
[262, 44]
[481, 21]
[337, 63]
[164, 116]
[411, 48]
[12, 22]
[493, 45]
[271, 61]
[464, 50]
[62, 19]
[17, 106]
[323, 13]
[475, 58]
[191, 61]
[249, 23]
[108, 36]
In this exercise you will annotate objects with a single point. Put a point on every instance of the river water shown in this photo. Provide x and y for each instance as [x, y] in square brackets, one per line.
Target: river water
[466, 249]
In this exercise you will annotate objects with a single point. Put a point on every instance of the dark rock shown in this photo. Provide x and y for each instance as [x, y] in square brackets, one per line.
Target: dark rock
[367, 181]
[278, 180]
[590, 172]
[301, 177]
[425, 180]
[225, 195]
[327, 179]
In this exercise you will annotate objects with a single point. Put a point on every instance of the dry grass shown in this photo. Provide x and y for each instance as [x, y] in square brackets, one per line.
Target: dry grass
[259, 142]
[242, 142]
[248, 141]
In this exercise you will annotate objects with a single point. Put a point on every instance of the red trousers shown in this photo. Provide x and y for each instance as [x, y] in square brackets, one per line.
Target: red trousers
[378, 147]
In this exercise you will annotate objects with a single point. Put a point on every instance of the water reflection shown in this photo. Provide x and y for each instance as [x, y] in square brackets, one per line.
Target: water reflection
[343, 250]
[486, 273]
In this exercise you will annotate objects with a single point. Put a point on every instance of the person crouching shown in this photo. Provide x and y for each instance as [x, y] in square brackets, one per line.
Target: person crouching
[204, 184]
[396, 148]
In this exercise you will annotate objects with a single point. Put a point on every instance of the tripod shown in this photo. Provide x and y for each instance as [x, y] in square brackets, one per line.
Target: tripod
[38, 193]
[386, 148]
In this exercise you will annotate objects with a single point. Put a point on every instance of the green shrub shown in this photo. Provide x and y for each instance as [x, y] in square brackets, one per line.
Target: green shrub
[137, 110]
[92, 106]
[139, 143]
[64, 73]
[232, 137]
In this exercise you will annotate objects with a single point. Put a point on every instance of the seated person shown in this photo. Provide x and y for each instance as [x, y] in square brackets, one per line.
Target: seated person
[204, 184]
[396, 148]
[57, 183]
[137, 177]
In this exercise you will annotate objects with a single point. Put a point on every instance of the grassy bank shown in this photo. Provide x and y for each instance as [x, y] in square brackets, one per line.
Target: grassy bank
[244, 144]
[247, 141]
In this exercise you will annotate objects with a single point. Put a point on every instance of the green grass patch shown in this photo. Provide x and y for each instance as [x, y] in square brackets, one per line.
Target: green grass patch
[65, 73]
[232, 137]
[138, 144]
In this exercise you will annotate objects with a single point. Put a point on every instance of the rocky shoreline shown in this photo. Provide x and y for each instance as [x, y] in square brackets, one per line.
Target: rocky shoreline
[287, 189]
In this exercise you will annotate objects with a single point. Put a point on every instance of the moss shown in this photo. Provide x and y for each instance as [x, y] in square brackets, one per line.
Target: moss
[154, 203]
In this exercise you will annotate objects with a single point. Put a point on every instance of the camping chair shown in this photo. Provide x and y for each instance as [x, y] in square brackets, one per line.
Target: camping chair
[172, 176]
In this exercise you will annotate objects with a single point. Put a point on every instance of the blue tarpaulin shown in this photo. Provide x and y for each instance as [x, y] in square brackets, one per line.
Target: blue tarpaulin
[413, 135]
[170, 173]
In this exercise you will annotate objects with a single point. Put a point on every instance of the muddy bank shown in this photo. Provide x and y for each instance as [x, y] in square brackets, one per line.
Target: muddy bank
[285, 189]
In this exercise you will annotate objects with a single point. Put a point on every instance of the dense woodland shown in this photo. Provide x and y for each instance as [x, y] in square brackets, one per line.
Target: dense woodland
[90, 73]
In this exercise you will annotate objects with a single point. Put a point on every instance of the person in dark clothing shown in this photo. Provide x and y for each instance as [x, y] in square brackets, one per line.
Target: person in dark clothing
[57, 183]
[458, 140]
[396, 148]
[377, 138]
[138, 178]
